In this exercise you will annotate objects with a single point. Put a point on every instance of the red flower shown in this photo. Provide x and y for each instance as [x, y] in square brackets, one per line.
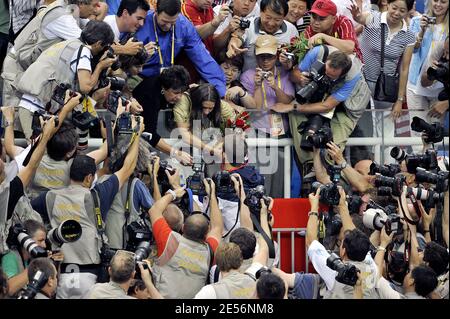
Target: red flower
[240, 123]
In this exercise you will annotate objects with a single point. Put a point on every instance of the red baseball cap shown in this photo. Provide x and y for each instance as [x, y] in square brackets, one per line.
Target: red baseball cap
[324, 8]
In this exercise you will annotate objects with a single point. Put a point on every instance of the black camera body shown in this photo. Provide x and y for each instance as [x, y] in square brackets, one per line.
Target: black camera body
[253, 199]
[125, 123]
[162, 177]
[428, 161]
[354, 203]
[440, 179]
[435, 131]
[244, 24]
[316, 124]
[329, 193]
[317, 76]
[395, 183]
[195, 181]
[223, 182]
[333, 224]
[138, 232]
[321, 137]
[347, 274]
[59, 93]
[84, 120]
[440, 73]
[117, 83]
[113, 100]
[142, 252]
[36, 284]
[36, 123]
[386, 170]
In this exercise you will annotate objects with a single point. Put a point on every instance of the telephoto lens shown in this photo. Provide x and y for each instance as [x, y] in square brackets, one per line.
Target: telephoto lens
[398, 154]
[30, 246]
[68, 231]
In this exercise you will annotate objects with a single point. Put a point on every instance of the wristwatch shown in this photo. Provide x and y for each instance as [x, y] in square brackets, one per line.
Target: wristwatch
[295, 106]
[401, 99]
[313, 213]
[172, 192]
[344, 164]
[6, 123]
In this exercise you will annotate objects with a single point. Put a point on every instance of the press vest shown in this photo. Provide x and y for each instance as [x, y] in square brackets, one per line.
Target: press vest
[75, 202]
[116, 220]
[22, 212]
[186, 272]
[49, 175]
[235, 286]
[51, 68]
[341, 291]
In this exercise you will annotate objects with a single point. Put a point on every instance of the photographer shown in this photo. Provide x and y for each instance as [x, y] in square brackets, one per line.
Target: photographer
[182, 270]
[121, 271]
[234, 284]
[354, 251]
[72, 66]
[241, 11]
[82, 259]
[129, 18]
[46, 288]
[336, 97]
[437, 71]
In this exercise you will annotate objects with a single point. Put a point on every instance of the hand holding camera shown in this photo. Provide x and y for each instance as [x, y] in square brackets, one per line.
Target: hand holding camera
[238, 185]
[314, 200]
[75, 98]
[335, 153]
[174, 178]
[132, 46]
[210, 187]
[107, 60]
[153, 168]
[385, 239]
[287, 59]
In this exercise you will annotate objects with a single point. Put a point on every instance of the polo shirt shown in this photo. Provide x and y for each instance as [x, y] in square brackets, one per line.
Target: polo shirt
[342, 29]
[199, 17]
[284, 35]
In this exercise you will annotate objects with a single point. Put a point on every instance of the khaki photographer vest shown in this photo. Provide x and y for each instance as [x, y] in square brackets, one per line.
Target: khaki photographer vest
[51, 68]
[183, 275]
[341, 291]
[29, 50]
[75, 202]
[22, 212]
[235, 286]
[49, 175]
[360, 96]
[115, 220]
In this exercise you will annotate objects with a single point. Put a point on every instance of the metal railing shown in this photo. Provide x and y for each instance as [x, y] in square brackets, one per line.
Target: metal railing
[293, 231]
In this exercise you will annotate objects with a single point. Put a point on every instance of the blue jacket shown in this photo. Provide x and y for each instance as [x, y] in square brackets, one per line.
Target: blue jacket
[187, 39]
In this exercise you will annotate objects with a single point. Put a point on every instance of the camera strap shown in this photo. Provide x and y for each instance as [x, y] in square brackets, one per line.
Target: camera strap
[268, 240]
[127, 213]
[98, 216]
[109, 133]
[405, 216]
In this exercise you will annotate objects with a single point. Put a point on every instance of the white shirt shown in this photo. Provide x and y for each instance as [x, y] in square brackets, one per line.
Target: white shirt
[112, 22]
[254, 13]
[342, 6]
[65, 27]
[385, 290]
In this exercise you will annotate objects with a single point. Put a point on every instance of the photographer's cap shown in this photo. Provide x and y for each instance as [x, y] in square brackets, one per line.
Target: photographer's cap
[324, 8]
[266, 44]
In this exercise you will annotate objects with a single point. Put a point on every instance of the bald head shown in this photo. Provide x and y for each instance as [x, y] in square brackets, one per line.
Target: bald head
[122, 266]
[363, 167]
[174, 217]
[196, 227]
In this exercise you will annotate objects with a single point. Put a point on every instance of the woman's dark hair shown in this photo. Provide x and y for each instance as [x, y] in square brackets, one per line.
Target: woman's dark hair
[409, 3]
[170, 7]
[97, 31]
[203, 93]
[64, 141]
[277, 6]
[175, 77]
[131, 6]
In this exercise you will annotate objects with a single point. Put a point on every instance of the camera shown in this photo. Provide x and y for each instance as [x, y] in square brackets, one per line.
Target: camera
[321, 137]
[195, 181]
[253, 198]
[440, 179]
[398, 154]
[162, 177]
[124, 123]
[59, 93]
[329, 193]
[103, 80]
[83, 120]
[434, 131]
[142, 252]
[395, 183]
[376, 218]
[223, 182]
[431, 20]
[262, 271]
[117, 83]
[244, 24]
[347, 274]
[138, 232]
[18, 237]
[68, 231]
[37, 283]
[316, 74]
[36, 123]
[440, 73]
[113, 100]
[428, 161]
[386, 170]
[354, 203]
[265, 74]
[333, 224]
[110, 55]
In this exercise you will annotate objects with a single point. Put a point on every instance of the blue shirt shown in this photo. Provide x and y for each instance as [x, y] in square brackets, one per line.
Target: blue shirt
[187, 39]
[113, 6]
[342, 93]
[142, 197]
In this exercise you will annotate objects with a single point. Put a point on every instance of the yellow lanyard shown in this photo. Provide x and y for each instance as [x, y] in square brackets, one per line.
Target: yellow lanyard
[161, 61]
[264, 90]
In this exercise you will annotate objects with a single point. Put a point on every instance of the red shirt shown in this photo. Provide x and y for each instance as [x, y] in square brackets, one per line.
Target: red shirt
[342, 29]
[162, 231]
[199, 17]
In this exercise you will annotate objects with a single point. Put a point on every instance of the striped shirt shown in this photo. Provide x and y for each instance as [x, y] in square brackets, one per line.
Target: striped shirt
[396, 44]
[303, 23]
[21, 12]
[342, 29]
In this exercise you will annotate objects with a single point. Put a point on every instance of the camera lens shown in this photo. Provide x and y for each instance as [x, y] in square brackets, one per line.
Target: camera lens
[68, 231]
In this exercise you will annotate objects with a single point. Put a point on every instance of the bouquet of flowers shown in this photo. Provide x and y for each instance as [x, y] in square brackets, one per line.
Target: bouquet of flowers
[298, 46]
[240, 123]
